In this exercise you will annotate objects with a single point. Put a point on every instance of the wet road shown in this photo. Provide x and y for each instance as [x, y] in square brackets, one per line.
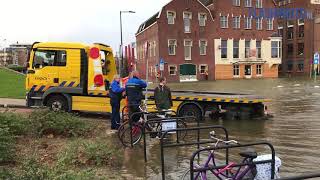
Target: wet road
[294, 131]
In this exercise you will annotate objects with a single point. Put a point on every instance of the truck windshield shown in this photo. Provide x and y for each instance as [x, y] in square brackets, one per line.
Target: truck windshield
[43, 58]
[104, 61]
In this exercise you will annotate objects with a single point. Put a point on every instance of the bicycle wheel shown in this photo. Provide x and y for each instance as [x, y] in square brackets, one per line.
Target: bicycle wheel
[181, 125]
[121, 129]
[136, 135]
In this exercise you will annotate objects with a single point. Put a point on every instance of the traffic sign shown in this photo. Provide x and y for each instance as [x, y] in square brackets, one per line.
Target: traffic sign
[161, 65]
[316, 58]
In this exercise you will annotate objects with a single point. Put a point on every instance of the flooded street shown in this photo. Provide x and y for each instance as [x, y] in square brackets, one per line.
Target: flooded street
[294, 131]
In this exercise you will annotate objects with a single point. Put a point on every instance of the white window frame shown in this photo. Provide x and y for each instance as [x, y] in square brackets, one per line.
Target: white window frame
[257, 50]
[248, 23]
[175, 46]
[279, 48]
[259, 3]
[205, 47]
[247, 3]
[175, 70]
[235, 48]
[154, 48]
[236, 2]
[261, 69]
[173, 18]
[268, 24]
[205, 69]
[233, 70]
[247, 49]
[236, 22]
[189, 46]
[300, 23]
[224, 21]
[202, 22]
[189, 19]
[259, 23]
[222, 48]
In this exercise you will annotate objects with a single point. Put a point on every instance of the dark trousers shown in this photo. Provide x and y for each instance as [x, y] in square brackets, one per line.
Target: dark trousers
[115, 116]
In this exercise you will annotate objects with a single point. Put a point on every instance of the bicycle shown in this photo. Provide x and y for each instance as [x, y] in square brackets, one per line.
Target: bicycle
[228, 171]
[126, 137]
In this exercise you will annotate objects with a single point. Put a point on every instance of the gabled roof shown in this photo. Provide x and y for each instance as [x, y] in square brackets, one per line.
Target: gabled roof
[148, 23]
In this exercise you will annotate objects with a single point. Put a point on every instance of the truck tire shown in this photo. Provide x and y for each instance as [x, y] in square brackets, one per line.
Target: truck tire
[191, 110]
[57, 103]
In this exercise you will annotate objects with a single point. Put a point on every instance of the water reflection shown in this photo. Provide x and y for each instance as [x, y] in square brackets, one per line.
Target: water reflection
[294, 130]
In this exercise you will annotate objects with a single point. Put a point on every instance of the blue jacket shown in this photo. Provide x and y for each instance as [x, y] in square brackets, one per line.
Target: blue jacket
[134, 88]
[115, 92]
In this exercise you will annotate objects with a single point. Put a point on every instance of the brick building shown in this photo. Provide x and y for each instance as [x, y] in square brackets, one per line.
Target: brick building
[301, 38]
[214, 38]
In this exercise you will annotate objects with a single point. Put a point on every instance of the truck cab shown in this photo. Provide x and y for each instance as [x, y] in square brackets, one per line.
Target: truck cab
[59, 74]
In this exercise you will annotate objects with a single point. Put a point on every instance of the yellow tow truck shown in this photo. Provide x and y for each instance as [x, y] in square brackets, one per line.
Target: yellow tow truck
[76, 77]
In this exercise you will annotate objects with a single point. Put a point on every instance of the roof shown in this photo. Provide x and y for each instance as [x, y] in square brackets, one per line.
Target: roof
[206, 2]
[148, 23]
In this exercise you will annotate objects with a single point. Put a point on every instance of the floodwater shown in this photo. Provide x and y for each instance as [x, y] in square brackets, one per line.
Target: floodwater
[294, 130]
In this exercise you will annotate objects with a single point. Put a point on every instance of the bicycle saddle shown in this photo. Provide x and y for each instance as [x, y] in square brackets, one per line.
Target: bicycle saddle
[249, 153]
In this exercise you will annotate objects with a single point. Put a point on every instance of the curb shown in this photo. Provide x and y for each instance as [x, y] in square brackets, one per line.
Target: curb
[13, 106]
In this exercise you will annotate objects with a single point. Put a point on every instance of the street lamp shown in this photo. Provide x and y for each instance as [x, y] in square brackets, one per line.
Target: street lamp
[121, 45]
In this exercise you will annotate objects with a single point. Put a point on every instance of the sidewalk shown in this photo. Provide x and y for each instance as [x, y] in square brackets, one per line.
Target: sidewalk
[13, 103]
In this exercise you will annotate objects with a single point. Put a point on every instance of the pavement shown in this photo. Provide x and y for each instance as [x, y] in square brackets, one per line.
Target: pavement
[12, 103]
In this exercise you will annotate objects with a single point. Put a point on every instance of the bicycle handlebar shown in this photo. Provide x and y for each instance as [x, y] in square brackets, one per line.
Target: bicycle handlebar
[212, 136]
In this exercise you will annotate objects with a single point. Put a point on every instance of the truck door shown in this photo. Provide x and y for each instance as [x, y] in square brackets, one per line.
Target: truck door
[45, 66]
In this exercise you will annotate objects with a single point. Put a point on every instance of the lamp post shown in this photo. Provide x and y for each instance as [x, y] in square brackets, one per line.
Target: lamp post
[121, 45]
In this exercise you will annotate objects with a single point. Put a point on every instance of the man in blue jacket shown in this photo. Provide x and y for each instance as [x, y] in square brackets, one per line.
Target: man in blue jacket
[134, 88]
[115, 94]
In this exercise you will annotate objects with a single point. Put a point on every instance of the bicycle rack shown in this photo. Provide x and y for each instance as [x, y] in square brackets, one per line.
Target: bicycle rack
[156, 121]
[145, 114]
[227, 147]
[198, 142]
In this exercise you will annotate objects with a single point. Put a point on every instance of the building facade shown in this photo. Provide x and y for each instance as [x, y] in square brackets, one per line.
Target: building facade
[15, 54]
[301, 39]
[200, 40]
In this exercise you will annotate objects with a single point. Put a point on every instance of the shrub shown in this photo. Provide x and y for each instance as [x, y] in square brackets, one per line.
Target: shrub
[16, 124]
[45, 122]
[17, 68]
[89, 153]
[6, 146]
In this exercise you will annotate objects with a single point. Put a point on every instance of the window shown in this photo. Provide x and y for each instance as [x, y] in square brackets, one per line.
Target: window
[247, 49]
[187, 16]
[269, 24]
[203, 68]
[290, 33]
[290, 49]
[258, 46]
[235, 49]
[236, 2]
[43, 58]
[224, 49]
[259, 23]
[236, 70]
[172, 70]
[172, 44]
[236, 22]
[247, 3]
[275, 49]
[300, 66]
[259, 69]
[289, 66]
[301, 30]
[247, 70]
[202, 19]
[171, 15]
[300, 49]
[187, 49]
[154, 48]
[224, 21]
[203, 47]
[258, 3]
[247, 22]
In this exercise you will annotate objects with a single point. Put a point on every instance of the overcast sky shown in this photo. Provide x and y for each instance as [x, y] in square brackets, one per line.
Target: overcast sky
[27, 21]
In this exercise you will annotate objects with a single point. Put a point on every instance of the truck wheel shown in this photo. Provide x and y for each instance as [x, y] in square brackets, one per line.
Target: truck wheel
[57, 103]
[191, 110]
